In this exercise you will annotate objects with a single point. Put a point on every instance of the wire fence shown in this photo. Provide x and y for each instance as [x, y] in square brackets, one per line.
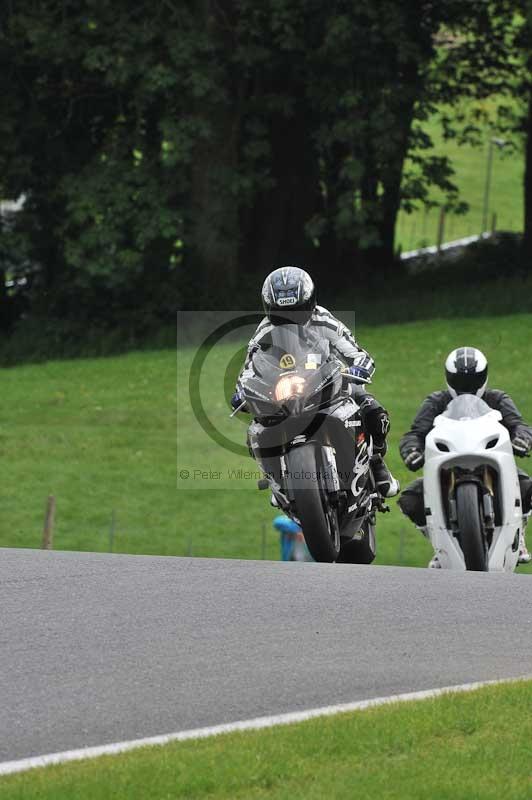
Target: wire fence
[267, 540]
[435, 226]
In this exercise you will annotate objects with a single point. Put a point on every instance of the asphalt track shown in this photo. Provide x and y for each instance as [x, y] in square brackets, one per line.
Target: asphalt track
[106, 648]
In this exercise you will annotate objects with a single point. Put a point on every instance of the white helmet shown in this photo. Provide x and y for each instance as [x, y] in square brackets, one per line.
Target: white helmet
[466, 371]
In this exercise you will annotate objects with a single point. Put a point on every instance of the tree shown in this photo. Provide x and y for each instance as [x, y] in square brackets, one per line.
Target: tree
[510, 86]
[523, 91]
[83, 138]
[192, 147]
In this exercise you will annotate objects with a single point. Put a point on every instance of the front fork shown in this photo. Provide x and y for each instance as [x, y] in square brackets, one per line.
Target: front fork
[485, 484]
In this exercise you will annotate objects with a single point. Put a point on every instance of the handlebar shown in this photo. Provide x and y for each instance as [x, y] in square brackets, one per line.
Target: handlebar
[355, 378]
[236, 410]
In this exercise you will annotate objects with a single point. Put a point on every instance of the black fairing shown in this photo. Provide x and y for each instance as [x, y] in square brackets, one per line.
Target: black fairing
[324, 413]
[291, 350]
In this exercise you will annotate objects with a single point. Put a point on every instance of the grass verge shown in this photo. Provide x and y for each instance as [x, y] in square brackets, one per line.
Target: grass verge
[101, 435]
[456, 747]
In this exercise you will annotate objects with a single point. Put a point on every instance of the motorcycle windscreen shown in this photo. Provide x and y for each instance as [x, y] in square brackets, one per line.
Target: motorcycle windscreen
[290, 347]
[467, 406]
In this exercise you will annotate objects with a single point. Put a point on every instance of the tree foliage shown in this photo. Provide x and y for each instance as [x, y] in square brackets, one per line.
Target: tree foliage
[172, 153]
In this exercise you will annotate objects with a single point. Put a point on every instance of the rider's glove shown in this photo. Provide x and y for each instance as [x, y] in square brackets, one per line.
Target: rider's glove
[362, 368]
[414, 460]
[521, 445]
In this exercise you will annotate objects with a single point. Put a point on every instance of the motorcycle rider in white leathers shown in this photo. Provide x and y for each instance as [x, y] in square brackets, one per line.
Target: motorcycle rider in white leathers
[466, 371]
[289, 297]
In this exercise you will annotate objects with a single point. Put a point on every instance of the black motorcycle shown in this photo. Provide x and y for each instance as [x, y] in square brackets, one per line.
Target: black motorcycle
[307, 437]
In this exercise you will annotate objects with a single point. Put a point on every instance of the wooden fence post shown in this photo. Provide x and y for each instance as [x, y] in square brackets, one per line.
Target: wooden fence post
[263, 541]
[48, 532]
[112, 531]
[441, 228]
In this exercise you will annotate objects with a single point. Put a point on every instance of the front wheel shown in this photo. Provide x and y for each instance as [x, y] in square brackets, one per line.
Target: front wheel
[470, 527]
[318, 520]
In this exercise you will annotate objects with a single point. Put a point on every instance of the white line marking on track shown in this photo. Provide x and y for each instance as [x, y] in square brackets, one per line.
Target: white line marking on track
[9, 767]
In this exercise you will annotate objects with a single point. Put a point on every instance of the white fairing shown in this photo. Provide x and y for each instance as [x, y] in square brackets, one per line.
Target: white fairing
[465, 429]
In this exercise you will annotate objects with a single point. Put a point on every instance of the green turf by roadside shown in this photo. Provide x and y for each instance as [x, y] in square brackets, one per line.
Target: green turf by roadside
[473, 746]
[101, 435]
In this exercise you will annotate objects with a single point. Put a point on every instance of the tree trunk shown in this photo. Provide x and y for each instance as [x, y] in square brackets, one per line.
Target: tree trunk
[212, 241]
[383, 256]
[527, 242]
[391, 201]
[339, 254]
[4, 303]
[274, 232]
[212, 236]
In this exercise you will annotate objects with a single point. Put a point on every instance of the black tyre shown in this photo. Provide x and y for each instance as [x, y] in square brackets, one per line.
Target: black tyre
[359, 551]
[318, 521]
[470, 527]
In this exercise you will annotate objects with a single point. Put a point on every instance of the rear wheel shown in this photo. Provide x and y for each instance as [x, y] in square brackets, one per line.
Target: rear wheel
[318, 519]
[470, 527]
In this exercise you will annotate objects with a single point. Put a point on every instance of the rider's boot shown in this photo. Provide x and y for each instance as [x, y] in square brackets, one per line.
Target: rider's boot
[387, 485]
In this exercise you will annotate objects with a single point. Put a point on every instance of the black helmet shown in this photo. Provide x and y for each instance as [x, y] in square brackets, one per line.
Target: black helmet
[466, 370]
[289, 296]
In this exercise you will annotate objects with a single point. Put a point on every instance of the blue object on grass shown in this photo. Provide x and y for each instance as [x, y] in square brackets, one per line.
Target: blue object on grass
[289, 531]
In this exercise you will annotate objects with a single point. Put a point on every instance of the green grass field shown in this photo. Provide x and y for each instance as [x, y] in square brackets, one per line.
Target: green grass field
[101, 435]
[457, 747]
[506, 198]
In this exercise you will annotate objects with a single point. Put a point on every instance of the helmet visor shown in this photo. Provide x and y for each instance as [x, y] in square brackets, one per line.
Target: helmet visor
[467, 382]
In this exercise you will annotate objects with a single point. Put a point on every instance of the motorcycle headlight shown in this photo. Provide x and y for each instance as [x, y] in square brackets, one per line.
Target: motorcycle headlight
[289, 386]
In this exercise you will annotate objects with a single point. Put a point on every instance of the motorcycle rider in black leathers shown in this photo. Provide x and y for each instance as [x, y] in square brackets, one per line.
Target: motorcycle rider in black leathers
[466, 372]
[289, 297]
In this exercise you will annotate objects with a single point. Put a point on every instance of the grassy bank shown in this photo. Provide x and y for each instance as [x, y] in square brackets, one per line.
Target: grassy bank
[456, 747]
[101, 435]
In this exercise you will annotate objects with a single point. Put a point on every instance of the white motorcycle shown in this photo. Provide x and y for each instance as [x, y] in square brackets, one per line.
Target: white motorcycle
[471, 489]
